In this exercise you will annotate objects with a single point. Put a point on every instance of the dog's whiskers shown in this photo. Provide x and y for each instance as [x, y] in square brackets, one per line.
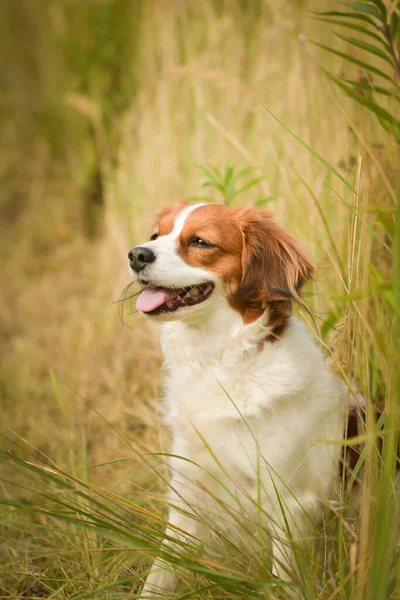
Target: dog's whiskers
[121, 303]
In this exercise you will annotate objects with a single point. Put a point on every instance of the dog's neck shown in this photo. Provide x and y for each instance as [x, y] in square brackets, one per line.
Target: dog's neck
[215, 335]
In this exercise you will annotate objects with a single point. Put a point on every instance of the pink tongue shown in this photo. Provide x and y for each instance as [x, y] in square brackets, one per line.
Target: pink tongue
[151, 299]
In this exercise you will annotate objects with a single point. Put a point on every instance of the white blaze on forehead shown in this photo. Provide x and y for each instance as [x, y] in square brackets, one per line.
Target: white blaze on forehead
[181, 219]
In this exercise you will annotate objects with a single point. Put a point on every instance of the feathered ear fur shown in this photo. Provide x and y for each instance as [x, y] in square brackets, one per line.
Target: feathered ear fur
[274, 266]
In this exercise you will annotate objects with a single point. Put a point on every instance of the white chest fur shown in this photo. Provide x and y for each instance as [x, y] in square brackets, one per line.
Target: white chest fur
[241, 410]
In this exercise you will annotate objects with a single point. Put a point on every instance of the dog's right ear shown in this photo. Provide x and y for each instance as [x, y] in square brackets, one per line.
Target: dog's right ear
[274, 267]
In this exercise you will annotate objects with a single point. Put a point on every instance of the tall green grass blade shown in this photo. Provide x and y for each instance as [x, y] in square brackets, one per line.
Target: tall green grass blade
[104, 509]
[125, 581]
[57, 396]
[214, 478]
[346, 15]
[325, 223]
[367, 47]
[351, 59]
[313, 152]
[371, 87]
[354, 27]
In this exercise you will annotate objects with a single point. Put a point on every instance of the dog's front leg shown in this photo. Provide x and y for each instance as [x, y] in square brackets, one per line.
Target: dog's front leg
[283, 562]
[162, 580]
[291, 538]
[159, 581]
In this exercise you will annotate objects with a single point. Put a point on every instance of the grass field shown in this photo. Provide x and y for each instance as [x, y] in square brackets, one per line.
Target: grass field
[109, 107]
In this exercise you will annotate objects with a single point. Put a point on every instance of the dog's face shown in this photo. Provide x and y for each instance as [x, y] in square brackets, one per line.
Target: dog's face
[200, 253]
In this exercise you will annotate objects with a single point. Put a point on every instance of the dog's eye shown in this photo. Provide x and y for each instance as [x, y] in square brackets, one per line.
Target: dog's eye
[154, 237]
[200, 243]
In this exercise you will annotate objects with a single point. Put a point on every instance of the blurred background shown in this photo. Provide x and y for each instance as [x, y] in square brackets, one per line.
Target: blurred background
[107, 108]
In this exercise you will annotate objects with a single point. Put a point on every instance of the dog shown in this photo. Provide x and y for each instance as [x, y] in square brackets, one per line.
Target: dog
[249, 397]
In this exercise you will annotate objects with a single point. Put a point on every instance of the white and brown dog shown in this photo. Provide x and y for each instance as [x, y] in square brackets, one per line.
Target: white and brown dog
[249, 397]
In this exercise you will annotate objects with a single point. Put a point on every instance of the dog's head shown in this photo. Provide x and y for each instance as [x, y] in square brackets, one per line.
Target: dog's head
[200, 253]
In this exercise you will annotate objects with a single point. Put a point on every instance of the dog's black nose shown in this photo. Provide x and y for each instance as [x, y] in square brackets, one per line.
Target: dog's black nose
[140, 257]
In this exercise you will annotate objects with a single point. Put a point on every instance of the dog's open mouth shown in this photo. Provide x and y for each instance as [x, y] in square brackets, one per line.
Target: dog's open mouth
[160, 299]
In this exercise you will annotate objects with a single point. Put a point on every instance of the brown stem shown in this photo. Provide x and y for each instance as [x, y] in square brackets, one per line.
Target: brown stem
[392, 50]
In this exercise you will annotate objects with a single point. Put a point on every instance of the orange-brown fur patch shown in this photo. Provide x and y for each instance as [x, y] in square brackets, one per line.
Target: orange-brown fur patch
[272, 258]
[166, 218]
[274, 269]
[217, 225]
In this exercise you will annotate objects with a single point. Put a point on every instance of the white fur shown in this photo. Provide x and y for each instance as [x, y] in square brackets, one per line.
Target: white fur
[246, 415]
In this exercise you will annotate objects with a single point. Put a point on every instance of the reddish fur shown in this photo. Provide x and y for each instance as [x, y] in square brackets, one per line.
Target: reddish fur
[166, 218]
[217, 225]
[274, 269]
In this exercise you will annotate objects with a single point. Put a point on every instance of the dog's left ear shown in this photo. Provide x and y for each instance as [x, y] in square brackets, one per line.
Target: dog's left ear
[274, 267]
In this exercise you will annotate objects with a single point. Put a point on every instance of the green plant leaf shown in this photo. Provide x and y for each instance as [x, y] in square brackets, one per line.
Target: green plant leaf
[211, 180]
[357, 62]
[217, 185]
[369, 87]
[394, 25]
[388, 224]
[210, 172]
[382, 287]
[225, 182]
[365, 46]
[369, 103]
[211, 169]
[331, 321]
[228, 174]
[250, 184]
[243, 172]
[354, 27]
[381, 7]
[264, 201]
[364, 8]
[346, 15]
